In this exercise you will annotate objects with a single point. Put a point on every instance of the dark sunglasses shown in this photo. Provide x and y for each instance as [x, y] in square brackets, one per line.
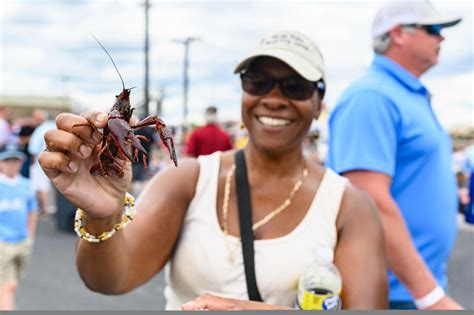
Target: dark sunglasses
[295, 88]
[434, 30]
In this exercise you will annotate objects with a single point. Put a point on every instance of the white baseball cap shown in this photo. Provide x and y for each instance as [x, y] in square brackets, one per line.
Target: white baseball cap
[404, 12]
[293, 48]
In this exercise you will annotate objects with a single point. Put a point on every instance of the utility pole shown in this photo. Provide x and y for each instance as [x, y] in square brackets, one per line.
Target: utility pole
[65, 80]
[159, 101]
[146, 111]
[185, 42]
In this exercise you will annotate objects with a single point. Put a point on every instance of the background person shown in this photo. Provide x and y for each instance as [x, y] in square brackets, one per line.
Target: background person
[24, 136]
[188, 216]
[385, 138]
[6, 133]
[209, 138]
[469, 170]
[17, 224]
[39, 180]
[139, 171]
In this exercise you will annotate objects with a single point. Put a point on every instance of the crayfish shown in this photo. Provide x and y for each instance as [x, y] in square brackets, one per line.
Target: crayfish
[119, 139]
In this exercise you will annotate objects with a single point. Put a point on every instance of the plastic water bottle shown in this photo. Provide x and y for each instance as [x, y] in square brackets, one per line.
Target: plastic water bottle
[320, 285]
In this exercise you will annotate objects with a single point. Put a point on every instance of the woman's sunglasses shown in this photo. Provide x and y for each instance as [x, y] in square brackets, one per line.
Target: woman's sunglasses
[434, 30]
[295, 88]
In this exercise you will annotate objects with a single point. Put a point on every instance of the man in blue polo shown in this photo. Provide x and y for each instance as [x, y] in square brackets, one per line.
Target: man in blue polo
[385, 137]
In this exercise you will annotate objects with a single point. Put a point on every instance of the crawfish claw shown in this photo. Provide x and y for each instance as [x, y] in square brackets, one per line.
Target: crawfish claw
[166, 137]
[170, 145]
[135, 142]
[121, 144]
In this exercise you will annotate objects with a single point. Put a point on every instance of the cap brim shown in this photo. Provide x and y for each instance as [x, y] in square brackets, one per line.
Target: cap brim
[12, 155]
[296, 62]
[440, 20]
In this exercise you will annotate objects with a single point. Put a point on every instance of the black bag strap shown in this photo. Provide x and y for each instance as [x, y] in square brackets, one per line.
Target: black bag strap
[245, 221]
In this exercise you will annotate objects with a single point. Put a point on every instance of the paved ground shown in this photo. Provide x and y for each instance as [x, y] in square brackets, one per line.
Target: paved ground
[52, 282]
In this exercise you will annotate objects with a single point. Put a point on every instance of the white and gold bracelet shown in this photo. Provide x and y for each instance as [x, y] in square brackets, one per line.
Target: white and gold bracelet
[127, 217]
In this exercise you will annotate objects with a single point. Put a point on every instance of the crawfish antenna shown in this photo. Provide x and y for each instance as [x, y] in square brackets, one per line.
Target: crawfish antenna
[110, 59]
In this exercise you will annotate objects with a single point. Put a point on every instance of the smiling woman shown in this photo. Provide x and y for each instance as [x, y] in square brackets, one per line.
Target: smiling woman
[188, 216]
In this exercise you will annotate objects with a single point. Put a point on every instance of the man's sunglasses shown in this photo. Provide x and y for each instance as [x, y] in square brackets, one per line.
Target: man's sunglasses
[434, 30]
[295, 88]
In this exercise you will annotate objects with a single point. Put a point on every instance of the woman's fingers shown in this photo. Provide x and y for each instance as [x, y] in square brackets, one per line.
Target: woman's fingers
[84, 128]
[62, 141]
[74, 139]
[217, 303]
[54, 163]
[210, 302]
[99, 119]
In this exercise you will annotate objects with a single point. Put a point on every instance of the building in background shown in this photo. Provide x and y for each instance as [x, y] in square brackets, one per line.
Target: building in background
[21, 107]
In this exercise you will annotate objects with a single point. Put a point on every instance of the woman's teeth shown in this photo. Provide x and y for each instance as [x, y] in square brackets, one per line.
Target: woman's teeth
[273, 121]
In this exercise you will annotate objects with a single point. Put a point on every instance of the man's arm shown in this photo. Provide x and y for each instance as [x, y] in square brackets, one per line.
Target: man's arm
[403, 258]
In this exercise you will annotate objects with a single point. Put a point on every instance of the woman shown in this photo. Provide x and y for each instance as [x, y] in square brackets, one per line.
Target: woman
[187, 216]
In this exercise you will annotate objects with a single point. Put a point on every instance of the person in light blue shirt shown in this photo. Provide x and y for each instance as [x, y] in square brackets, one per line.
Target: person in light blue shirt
[39, 180]
[385, 137]
[17, 224]
[468, 168]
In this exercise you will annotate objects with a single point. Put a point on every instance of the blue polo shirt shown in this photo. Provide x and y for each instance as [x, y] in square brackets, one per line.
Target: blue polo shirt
[384, 123]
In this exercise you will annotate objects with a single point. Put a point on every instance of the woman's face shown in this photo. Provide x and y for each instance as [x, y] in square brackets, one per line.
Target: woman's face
[273, 120]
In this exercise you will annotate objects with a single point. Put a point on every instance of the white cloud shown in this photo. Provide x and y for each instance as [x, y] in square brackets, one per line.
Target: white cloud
[45, 41]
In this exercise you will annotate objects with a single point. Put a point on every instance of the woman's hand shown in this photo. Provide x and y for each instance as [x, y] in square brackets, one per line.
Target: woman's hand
[215, 303]
[72, 151]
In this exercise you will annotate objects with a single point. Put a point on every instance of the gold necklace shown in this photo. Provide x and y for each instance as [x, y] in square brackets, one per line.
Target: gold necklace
[268, 217]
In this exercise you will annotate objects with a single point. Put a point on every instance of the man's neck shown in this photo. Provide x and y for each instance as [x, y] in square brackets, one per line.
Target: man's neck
[406, 63]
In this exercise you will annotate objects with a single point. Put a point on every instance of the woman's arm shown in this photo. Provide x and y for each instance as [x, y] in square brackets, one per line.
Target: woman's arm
[135, 254]
[139, 251]
[360, 253]
[403, 259]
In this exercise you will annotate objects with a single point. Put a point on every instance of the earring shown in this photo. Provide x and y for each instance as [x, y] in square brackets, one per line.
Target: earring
[242, 126]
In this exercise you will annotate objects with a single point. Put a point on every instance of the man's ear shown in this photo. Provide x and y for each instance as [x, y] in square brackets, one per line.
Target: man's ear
[397, 35]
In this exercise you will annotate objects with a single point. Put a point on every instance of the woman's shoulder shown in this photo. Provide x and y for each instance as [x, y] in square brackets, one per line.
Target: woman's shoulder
[357, 206]
[186, 165]
[184, 175]
[226, 160]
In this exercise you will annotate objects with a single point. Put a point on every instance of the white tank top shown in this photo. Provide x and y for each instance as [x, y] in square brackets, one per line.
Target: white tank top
[200, 263]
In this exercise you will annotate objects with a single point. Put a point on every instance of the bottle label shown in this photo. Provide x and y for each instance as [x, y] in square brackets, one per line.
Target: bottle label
[311, 301]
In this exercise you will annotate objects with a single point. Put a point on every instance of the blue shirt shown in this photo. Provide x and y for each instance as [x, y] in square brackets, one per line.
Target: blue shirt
[35, 146]
[17, 200]
[384, 123]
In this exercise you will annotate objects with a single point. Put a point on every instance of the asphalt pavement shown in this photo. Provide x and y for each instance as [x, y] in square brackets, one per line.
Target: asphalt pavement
[52, 281]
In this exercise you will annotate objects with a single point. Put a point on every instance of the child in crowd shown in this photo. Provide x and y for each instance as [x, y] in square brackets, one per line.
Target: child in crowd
[17, 224]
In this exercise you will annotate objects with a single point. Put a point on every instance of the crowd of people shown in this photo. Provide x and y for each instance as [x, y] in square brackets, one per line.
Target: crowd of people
[373, 200]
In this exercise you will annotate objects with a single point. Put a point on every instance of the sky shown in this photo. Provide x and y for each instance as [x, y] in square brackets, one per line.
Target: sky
[47, 50]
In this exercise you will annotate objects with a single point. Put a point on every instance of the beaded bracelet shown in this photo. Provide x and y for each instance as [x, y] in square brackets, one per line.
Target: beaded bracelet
[127, 217]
